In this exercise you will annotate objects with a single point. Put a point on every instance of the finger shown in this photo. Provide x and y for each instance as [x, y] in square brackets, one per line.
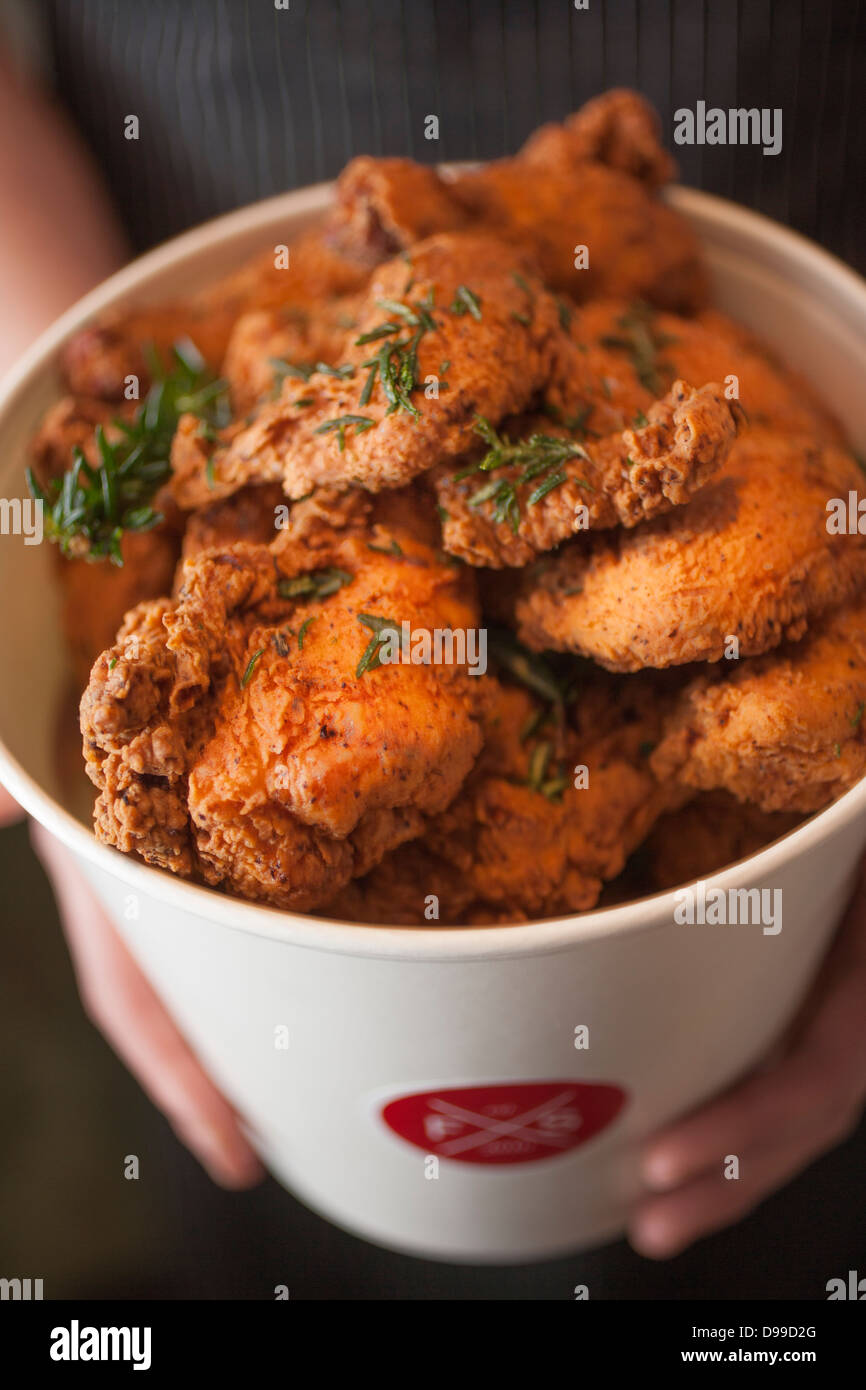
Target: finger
[662, 1226]
[10, 811]
[774, 1105]
[824, 1072]
[124, 1006]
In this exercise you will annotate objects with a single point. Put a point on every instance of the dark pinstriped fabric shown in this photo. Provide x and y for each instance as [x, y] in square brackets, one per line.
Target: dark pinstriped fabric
[238, 99]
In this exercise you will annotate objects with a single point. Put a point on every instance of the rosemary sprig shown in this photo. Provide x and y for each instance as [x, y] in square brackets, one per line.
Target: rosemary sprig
[392, 548]
[395, 363]
[302, 371]
[643, 342]
[340, 422]
[537, 457]
[251, 666]
[465, 301]
[88, 509]
[299, 371]
[526, 667]
[370, 658]
[316, 584]
[547, 769]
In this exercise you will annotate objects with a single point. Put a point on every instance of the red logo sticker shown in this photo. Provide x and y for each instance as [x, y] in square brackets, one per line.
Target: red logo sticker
[517, 1122]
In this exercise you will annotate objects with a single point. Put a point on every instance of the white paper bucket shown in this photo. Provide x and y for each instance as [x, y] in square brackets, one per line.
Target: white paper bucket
[423, 1087]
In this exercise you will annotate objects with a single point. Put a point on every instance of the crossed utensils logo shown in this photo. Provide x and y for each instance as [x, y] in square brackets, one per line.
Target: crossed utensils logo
[552, 1124]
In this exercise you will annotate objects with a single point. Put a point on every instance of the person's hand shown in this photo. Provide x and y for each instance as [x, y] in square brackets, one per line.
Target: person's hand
[121, 1003]
[804, 1102]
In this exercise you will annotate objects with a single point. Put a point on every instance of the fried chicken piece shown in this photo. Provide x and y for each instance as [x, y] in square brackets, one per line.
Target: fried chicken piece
[267, 343]
[618, 128]
[96, 596]
[636, 352]
[252, 515]
[522, 840]
[99, 358]
[230, 734]
[528, 508]
[384, 206]
[711, 831]
[785, 731]
[588, 183]
[636, 246]
[457, 303]
[749, 558]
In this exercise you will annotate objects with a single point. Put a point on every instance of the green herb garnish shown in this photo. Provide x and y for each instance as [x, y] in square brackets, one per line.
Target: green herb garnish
[641, 340]
[89, 508]
[340, 422]
[315, 584]
[526, 667]
[251, 666]
[536, 456]
[383, 331]
[302, 631]
[465, 301]
[392, 548]
[539, 759]
[380, 627]
[301, 371]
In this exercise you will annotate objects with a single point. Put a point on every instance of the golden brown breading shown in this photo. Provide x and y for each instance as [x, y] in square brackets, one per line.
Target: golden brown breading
[635, 245]
[508, 517]
[495, 365]
[588, 183]
[230, 735]
[636, 352]
[384, 206]
[618, 128]
[785, 731]
[249, 515]
[522, 839]
[749, 558]
[99, 358]
[267, 341]
[710, 832]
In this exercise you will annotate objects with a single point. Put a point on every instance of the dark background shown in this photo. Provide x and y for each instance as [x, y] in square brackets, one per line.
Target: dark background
[237, 101]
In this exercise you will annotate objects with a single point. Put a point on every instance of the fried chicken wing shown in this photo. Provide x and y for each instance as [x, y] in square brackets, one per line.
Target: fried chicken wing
[244, 732]
[448, 318]
[749, 558]
[784, 731]
[623, 479]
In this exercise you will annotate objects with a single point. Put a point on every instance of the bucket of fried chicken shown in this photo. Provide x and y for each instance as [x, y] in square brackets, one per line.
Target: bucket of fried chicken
[453, 582]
